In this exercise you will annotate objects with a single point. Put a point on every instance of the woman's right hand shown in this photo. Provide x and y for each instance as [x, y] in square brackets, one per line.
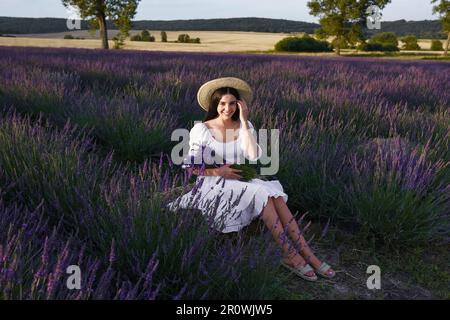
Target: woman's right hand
[227, 172]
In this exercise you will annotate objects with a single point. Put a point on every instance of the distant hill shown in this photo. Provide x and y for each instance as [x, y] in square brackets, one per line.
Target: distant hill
[33, 25]
[231, 24]
[428, 29]
[13, 25]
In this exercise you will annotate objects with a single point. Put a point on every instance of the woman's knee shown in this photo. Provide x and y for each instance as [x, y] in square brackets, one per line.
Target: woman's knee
[269, 209]
[269, 204]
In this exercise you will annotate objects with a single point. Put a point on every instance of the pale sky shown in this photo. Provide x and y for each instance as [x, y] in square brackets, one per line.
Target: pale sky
[209, 9]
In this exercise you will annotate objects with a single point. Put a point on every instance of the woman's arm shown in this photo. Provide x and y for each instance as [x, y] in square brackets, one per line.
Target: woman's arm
[224, 171]
[250, 148]
[249, 145]
[205, 172]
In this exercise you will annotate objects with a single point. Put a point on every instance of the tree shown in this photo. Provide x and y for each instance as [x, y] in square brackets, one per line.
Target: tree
[120, 12]
[163, 36]
[342, 19]
[442, 8]
[145, 35]
[410, 42]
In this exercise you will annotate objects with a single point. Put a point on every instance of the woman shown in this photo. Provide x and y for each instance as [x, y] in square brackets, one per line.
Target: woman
[227, 131]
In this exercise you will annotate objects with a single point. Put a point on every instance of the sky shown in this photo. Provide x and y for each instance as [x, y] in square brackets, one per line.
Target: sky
[209, 9]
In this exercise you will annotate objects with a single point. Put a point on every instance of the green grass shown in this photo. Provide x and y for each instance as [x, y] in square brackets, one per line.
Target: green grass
[352, 53]
[440, 58]
[406, 273]
[424, 266]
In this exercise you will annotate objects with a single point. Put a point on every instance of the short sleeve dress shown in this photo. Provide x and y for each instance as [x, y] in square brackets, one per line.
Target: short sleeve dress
[231, 203]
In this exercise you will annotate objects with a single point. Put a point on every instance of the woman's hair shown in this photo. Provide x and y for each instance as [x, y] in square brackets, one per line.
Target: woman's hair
[214, 102]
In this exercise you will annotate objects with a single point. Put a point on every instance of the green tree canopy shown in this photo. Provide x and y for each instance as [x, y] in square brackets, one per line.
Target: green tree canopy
[343, 19]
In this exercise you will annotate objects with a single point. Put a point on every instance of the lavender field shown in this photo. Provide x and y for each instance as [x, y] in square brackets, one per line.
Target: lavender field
[85, 170]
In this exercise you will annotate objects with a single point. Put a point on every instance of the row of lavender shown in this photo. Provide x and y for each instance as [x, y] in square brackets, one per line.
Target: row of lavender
[363, 142]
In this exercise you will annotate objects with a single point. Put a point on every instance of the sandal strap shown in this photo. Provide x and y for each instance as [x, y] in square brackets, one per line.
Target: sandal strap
[306, 268]
[324, 267]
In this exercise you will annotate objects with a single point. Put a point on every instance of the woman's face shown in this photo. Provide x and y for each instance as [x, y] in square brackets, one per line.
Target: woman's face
[227, 106]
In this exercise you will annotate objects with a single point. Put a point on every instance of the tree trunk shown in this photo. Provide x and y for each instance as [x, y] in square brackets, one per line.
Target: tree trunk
[447, 44]
[338, 45]
[103, 31]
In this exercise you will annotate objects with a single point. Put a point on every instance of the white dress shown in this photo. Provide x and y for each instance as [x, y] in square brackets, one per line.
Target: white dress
[230, 204]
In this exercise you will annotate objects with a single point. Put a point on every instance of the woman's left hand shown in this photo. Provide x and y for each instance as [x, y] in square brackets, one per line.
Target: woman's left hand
[243, 110]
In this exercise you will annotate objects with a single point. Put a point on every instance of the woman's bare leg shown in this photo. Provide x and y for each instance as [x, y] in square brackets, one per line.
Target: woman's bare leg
[272, 221]
[294, 232]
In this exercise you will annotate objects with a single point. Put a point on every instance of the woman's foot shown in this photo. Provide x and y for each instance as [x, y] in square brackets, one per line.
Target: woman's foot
[297, 261]
[320, 267]
[323, 269]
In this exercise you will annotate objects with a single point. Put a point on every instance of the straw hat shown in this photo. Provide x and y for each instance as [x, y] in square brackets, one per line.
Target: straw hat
[208, 88]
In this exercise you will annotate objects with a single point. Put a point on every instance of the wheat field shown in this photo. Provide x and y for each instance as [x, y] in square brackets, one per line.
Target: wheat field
[214, 41]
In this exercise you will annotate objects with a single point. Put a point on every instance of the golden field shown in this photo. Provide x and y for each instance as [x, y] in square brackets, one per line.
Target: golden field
[214, 41]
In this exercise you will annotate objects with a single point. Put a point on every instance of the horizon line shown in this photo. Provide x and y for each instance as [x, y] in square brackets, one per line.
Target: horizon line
[219, 19]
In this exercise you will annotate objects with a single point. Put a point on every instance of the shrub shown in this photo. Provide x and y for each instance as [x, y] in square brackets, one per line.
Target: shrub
[377, 47]
[395, 194]
[118, 41]
[385, 38]
[145, 35]
[436, 45]
[183, 38]
[68, 36]
[410, 43]
[303, 44]
[390, 47]
[384, 41]
[136, 37]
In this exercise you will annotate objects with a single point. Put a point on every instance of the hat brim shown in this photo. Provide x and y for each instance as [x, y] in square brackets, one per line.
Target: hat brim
[208, 88]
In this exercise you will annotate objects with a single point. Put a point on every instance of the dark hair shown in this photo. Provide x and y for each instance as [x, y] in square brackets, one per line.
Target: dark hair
[214, 102]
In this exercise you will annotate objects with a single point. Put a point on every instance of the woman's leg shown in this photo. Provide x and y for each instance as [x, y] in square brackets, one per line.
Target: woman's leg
[272, 221]
[294, 232]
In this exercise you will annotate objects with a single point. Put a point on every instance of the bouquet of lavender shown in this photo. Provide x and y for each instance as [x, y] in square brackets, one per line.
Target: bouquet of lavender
[248, 172]
[203, 157]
